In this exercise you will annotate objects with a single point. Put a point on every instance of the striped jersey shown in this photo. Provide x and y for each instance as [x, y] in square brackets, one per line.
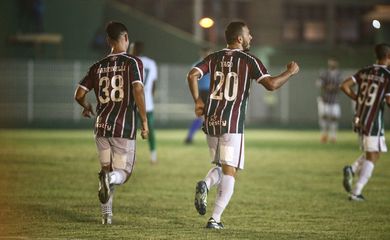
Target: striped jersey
[111, 79]
[231, 72]
[329, 84]
[373, 85]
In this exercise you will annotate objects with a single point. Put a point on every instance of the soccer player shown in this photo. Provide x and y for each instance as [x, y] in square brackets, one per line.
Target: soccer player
[231, 71]
[203, 85]
[373, 91]
[328, 106]
[150, 77]
[117, 81]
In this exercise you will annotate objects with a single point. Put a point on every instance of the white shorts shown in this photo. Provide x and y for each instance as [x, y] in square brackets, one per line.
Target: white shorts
[118, 153]
[329, 110]
[227, 149]
[373, 143]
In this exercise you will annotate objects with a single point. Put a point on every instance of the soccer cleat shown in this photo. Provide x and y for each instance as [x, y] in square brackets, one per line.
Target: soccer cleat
[104, 187]
[107, 219]
[201, 197]
[214, 225]
[356, 198]
[347, 179]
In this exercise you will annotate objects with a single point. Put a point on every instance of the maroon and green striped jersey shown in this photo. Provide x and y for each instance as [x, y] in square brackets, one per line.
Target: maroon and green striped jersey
[330, 81]
[231, 73]
[373, 86]
[111, 79]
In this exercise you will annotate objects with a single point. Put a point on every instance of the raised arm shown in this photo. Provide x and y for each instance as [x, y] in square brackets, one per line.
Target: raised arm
[80, 97]
[272, 83]
[346, 87]
[139, 97]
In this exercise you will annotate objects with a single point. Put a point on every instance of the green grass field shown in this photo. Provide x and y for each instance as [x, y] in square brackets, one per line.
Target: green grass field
[290, 189]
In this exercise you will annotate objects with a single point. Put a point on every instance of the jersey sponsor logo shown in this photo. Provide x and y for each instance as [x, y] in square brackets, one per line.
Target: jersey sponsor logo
[214, 121]
[104, 125]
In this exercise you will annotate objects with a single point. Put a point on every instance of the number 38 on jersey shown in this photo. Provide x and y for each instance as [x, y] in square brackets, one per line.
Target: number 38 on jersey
[116, 84]
[225, 86]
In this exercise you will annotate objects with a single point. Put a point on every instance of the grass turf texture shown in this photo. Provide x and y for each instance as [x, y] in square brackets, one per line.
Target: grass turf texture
[290, 189]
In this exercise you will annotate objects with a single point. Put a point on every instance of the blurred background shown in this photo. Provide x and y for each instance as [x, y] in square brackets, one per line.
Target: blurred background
[46, 47]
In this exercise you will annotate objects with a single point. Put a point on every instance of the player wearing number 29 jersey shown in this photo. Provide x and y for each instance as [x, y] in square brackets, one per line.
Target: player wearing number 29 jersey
[231, 73]
[373, 85]
[111, 79]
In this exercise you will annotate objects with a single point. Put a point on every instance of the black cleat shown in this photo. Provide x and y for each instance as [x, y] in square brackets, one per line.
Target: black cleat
[214, 225]
[104, 187]
[201, 197]
[347, 179]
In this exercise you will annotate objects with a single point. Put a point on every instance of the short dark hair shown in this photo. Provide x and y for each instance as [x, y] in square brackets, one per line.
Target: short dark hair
[138, 48]
[382, 50]
[233, 30]
[115, 29]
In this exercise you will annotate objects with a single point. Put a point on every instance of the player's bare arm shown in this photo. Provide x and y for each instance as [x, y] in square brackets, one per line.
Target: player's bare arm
[274, 82]
[192, 79]
[80, 97]
[346, 87]
[139, 97]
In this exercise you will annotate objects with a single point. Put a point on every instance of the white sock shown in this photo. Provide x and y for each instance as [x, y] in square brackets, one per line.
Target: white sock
[365, 174]
[153, 156]
[357, 165]
[323, 126]
[225, 192]
[117, 177]
[213, 177]
[333, 126]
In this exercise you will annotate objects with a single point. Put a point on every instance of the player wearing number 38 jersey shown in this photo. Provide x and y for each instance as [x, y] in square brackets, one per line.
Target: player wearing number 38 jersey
[117, 83]
[373, 91]
[231, 72]
[111, 79]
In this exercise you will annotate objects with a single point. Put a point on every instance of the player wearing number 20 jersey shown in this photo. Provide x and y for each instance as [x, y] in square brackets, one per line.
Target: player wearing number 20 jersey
[373, 85]
[111, 79]
[231, 72]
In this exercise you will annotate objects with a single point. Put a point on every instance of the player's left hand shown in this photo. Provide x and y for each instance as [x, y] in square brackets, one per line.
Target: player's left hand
[88, 111]
[145, 130]
[199, 107]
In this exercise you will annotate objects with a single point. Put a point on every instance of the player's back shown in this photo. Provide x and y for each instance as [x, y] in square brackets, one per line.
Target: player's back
[112, 79]
[231, 72]
[373, 85]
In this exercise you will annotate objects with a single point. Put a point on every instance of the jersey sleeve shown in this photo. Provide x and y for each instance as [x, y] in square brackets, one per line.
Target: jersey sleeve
[87, 82]
[356, 77]
[257, 70]
[138, 70]
[203, 66]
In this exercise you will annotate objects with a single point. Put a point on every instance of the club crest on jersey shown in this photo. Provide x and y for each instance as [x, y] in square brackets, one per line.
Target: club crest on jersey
[214, 121]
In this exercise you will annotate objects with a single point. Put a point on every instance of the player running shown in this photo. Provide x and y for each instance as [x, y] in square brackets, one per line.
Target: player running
[231, 71]
[373, 91]
[117, 83]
